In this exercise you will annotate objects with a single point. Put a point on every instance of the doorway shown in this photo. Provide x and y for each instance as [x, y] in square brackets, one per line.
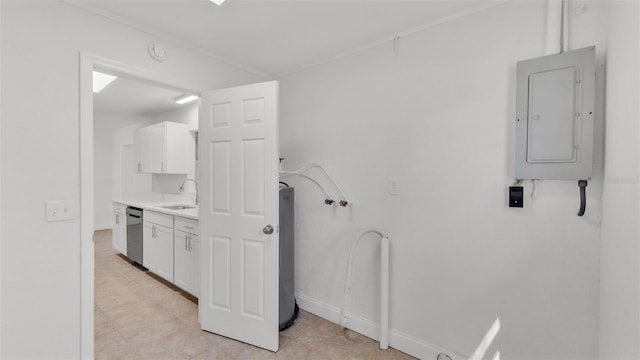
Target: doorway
[240, 167]
[89, 63]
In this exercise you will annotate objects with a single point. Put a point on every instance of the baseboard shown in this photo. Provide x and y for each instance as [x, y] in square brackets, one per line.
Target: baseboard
[103, 227]
[397, 339]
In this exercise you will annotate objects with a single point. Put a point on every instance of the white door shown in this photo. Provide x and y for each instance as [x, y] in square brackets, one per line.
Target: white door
[238, 139]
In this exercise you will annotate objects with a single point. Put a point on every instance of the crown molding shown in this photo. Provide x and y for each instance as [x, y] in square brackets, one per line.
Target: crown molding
[400, 34]
[84, 5]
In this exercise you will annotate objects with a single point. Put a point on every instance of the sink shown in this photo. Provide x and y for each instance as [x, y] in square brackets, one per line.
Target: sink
[179, 207]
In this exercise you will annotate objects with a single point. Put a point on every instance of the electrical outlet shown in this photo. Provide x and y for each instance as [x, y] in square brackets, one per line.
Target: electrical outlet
[394, 186]
[61, 210]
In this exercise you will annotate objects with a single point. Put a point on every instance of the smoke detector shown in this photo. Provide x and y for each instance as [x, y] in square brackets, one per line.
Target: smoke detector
[158, 51]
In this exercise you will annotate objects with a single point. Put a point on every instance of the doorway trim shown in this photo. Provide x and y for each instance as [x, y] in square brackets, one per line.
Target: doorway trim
[88, 62]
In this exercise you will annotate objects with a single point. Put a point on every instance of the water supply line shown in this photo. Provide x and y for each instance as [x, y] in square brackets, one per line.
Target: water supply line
[384, 285]
[344, 201]
[328, 199]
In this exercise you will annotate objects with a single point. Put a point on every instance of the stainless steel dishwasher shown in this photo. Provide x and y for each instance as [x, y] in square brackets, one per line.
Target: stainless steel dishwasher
[134, 234]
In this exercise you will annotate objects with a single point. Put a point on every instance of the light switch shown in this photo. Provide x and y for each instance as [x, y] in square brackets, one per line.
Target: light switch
[61, 210]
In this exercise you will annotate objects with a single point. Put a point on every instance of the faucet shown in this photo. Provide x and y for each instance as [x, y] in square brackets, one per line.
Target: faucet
[195, 182]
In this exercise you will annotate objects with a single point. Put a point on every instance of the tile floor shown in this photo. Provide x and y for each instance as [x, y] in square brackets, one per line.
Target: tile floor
[139, 316]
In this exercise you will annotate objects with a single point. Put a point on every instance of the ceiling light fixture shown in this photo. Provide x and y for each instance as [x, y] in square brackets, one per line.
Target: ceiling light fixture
[100, 81]
[187, 98]
[217, 2]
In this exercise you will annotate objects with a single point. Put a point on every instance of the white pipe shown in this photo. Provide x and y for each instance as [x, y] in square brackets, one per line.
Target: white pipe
[554, 29]
[335, 183]
[384, 293]
[289, 173]
[565, 26]
[384, 285]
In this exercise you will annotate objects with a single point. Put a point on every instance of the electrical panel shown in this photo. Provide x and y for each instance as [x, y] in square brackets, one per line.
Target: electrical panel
[554, 121]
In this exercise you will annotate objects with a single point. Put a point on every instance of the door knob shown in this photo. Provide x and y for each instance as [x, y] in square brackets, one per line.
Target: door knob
[268, 230]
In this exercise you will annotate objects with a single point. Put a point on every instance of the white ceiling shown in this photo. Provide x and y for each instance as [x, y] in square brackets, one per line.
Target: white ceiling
[129, 97]
[268, 37]
[273, 37]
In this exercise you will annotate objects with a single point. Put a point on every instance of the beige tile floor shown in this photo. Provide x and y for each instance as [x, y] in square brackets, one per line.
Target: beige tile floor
[139, 316]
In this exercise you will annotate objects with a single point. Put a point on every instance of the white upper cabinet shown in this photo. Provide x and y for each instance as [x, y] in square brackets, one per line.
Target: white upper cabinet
[163, 148]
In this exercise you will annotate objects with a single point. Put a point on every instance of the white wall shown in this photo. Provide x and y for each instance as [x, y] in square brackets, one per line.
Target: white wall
[102, 165]
[620, 249]
[40, 261]
[440, 118]
[105, 172]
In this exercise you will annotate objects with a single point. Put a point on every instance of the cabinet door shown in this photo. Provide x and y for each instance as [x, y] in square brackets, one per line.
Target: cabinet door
[164, 148]
[158, 148]
[178, 140]
[149, 248]
[122, 229]
[139, 144]
[183, 270]
[164, 247]
[115, 232]
[194, 249]
[151, 147]
[187, 262]
[144, 150]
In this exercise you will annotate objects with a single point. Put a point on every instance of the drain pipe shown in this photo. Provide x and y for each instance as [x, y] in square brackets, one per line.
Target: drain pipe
[384, 285]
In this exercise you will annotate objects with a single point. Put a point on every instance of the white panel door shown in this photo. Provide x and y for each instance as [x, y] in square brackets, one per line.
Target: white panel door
[238, 139]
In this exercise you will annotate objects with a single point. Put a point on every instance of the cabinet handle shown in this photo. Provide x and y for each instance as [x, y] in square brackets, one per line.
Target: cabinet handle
[153, 232]
[188, 227]
[185, 242]
[189, 242]
[117, 219]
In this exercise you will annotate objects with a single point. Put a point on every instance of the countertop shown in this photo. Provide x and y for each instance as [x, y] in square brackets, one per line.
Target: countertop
[157, 206]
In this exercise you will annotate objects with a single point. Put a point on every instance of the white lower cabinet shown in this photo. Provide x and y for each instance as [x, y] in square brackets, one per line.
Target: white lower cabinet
[171, 249]
[119, 232]
[157, 244]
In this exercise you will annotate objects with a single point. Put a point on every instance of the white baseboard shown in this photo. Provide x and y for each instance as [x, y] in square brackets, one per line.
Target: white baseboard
[398, 340]
[102, 227]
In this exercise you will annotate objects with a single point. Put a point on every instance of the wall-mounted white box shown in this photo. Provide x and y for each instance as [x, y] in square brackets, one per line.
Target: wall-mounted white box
[554, 124]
